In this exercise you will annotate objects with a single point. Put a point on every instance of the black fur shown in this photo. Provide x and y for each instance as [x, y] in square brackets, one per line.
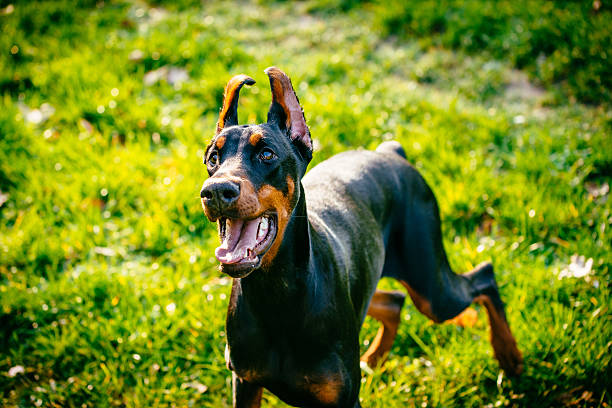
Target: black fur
[293, 325]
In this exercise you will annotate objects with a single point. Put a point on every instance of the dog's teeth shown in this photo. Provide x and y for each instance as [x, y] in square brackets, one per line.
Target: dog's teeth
[263, 228]
[222, 228]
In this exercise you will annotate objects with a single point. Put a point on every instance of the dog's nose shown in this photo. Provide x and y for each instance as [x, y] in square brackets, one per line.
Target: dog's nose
[220, 194]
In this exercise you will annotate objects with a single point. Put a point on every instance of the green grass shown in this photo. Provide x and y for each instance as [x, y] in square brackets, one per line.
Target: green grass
[562, 44]
[109, 291]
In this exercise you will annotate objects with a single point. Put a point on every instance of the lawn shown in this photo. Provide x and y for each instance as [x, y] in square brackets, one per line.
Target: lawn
[109, 290]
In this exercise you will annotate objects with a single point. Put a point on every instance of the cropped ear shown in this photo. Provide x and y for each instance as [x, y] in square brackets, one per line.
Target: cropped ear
[229, 112]
[286, 111]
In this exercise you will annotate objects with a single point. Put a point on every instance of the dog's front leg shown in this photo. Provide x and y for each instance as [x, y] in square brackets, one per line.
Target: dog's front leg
[246, 395]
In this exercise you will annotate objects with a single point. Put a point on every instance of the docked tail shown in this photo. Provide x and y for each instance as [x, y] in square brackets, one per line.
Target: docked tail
[391, 147]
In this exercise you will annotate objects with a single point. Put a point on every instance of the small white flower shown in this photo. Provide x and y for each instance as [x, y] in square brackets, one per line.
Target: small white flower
[14, 371]
[579, 267]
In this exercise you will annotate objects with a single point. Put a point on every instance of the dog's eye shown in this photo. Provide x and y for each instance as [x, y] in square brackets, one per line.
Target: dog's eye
[213, 159]
[267, 155]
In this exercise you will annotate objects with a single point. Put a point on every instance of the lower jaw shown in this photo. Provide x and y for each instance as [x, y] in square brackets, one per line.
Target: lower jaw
[241, 269]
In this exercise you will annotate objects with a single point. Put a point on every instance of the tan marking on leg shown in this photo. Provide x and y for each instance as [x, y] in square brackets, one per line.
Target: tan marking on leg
[384, 307]
[422, 304]
[255, 138]
[467, 318]
[220, 142]
[502, 340]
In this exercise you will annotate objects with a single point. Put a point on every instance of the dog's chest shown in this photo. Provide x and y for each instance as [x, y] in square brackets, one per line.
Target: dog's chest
[286, 375]
[252, 364]
[257, 358]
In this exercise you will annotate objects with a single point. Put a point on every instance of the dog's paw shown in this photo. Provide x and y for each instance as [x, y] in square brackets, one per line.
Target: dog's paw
[506, 352]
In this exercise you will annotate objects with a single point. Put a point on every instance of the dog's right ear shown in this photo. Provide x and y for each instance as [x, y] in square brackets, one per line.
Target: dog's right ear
[286, 111]
[229, 112]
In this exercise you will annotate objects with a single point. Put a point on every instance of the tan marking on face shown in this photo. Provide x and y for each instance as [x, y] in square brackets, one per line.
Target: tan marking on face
[271, 198]
[247, 204]
[255, 138]
[290, 187]
[220, 142]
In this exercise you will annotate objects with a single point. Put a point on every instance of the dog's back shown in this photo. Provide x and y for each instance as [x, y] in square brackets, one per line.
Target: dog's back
[353, 200]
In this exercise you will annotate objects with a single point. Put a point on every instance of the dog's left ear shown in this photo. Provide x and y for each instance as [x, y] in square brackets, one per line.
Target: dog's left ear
[286, 111]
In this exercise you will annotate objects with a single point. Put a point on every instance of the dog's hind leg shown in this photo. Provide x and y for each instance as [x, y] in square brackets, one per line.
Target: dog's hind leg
[481, 287]
[416, 257]
[502, 340]
[386, 308]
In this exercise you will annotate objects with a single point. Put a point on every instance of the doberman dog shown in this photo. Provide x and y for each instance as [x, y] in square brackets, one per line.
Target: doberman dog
[306, 253]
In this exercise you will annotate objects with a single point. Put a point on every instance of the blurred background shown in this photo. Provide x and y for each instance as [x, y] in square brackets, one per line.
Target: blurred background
[109, 290]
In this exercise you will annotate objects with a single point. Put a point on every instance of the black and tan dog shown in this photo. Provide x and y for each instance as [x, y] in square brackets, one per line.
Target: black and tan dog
[307, 253]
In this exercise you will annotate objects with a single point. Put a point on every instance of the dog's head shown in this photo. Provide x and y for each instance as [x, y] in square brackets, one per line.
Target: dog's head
[255, 171]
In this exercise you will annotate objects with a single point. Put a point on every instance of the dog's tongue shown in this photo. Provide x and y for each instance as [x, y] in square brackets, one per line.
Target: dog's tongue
[240, 237]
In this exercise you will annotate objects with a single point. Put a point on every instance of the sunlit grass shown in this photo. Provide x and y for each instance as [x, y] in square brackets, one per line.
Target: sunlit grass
[109, 290]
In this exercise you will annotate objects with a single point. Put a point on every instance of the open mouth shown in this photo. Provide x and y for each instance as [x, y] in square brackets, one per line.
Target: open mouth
[244, 242]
